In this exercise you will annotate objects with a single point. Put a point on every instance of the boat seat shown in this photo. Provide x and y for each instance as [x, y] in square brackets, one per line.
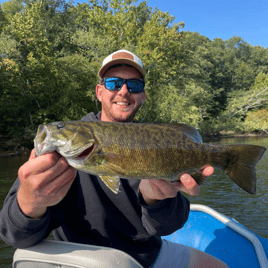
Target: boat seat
[50, 254]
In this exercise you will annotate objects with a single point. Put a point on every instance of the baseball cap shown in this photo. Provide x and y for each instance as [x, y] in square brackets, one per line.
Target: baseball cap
[122, 57]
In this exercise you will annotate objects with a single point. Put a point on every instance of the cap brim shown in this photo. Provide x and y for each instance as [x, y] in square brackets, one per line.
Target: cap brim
[105, 67]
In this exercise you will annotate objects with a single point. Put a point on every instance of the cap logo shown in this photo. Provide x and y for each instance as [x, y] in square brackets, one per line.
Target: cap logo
[122, 55]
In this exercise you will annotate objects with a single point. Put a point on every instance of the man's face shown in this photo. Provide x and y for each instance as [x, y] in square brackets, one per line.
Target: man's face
[120, 106]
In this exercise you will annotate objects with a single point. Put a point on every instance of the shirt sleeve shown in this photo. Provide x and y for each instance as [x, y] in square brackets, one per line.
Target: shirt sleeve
[165, 216]
[18, 230]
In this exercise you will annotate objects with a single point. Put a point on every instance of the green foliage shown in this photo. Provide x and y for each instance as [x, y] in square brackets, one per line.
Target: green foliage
[240, 105]
[257, 121]
[10, 8]
[254, 98]
[51, 50]
[3, 20]
[178, 106]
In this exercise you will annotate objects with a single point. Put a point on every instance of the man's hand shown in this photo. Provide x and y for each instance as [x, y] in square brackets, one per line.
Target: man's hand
[45, 180]
[154, 189]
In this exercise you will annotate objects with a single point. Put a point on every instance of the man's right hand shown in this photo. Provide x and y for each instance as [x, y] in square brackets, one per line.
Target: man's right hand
[45, 180]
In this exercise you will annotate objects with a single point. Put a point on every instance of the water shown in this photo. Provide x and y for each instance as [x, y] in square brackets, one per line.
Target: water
[219, 193]
[8, 173]
[223, 195]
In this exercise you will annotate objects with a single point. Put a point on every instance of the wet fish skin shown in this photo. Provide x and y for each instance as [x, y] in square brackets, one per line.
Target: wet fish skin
[145, 151]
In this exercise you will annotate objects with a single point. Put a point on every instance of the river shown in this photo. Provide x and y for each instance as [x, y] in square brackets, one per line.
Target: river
[220, 193]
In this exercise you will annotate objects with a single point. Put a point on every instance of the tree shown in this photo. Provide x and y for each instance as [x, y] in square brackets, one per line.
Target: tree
[50, 53]
[120, 20]
[257, 121]
[10, 8]
[258, 59]
[256, 98]
[3, 20]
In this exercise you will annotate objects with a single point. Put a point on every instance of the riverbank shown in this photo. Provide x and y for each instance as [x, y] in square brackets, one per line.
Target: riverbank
[14, 147]
[11, 148]
[12, 154]
[232, 134]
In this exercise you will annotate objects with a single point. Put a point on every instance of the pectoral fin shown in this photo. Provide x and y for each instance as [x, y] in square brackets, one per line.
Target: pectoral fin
[100, 159]
[112, 183]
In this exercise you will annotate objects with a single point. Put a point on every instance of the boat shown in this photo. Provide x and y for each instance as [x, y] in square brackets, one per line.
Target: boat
[206, 230]
[224, 238]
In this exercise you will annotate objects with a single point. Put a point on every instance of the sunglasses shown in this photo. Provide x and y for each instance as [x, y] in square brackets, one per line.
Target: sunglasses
[116, 83]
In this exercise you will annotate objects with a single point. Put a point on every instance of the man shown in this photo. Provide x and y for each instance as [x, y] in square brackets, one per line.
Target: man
[49, 195]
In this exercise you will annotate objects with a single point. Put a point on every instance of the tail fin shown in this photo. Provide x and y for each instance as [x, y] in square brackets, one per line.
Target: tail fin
[241, 165]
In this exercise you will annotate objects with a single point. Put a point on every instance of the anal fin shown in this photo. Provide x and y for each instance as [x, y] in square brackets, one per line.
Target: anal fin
[113, 183]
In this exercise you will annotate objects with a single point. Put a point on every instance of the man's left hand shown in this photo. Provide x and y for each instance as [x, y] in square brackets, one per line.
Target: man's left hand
[154, 190]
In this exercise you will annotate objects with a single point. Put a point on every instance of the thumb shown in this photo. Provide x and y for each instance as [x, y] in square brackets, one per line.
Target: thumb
[32, 155]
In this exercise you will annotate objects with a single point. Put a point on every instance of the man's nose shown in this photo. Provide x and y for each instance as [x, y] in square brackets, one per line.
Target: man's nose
[123, 90]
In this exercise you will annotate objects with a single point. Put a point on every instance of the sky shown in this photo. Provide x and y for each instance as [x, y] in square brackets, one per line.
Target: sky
[221, 19]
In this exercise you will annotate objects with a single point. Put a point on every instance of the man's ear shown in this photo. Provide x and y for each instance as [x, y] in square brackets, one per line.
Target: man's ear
[99, 90]
[143, 97]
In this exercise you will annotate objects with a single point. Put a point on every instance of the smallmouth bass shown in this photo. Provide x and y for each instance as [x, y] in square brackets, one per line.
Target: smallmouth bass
[145, 151]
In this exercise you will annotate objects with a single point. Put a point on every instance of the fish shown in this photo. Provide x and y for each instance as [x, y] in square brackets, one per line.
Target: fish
[115, 151]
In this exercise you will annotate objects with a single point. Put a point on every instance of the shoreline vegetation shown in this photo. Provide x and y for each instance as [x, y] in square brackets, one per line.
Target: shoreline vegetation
[233, 134]
[19, 150]
[51, 51]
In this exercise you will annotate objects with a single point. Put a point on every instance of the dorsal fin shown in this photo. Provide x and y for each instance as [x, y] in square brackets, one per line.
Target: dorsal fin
[190, 131]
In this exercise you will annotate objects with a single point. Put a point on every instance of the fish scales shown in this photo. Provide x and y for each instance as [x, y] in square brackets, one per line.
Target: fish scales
[160, 159]
[130, 136]
[145, 151]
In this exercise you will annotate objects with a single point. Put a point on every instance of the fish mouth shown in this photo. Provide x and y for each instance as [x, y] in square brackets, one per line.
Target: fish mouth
[42, 141]
[45, 142]
[79, 159]
[85, 153]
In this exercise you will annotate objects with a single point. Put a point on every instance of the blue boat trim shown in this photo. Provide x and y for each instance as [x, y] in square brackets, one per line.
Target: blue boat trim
[237, 228]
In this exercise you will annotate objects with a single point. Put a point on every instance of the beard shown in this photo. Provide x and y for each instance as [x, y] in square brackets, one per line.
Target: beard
[119, 117]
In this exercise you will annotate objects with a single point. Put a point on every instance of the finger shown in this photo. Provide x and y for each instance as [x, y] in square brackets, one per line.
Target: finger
[164, 189]
[54, 192]
[168, 189]
[71, 174]
[38, 165]
[189, 185]
[59, 185]
[41, 163]
[32, 155]
[208, 171]
[188, 181]
[55, 171]
[151, 190]
[62, 192]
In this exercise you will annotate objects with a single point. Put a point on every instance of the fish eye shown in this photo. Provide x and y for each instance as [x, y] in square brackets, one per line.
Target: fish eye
[60, 125]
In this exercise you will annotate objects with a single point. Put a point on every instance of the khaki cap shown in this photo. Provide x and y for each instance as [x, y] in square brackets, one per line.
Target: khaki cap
[122, 57]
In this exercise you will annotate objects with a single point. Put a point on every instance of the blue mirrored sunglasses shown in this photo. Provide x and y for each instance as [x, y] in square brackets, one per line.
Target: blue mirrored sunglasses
[116, 83]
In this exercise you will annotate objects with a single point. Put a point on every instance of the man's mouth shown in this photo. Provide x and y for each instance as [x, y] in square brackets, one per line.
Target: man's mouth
[122, 103]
